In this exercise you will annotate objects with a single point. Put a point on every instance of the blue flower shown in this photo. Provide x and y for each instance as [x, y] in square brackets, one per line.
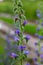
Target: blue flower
[42, 24]
[38, 15]
[36, 35]
[38, 29]
[13, 55]
[36, 43]
[42, 48]
[16, 39]
[24, 23]
[27, 37]
[8, 53]
[28, 64]
[17, 31]
[36, 49]
[8, 43]
[37, 22]
[35, 59]
[40, 37]
[26, 52]
[36, 63]
[7, 39]
[22, 47]
[41, 56]
[37, 53]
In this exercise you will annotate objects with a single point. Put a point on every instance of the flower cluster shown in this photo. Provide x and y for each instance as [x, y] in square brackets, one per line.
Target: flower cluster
[39, 34]
[38, 13]
[15, 49]
[13, 55]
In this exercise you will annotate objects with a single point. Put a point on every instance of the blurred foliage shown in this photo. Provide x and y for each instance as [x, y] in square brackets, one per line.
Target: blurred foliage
[6, 7]
[29, 7]
[2, 44]
[7, 20]
[31, 29]
[8, 0]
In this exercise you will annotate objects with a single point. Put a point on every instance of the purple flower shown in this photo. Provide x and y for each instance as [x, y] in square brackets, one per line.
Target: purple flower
[37, 53]
[24, 23]
[13, 55]
[36, 63]
[36, 35]
[38, 29]
[40, 37]
[22, 47]
[42, 48]
[27, 37]
[7, 39]
[26, 52]
[36, 43]
[36, 49]
[8, 53]
[42, 24]
[17, 31]
[28, 64]
[38, 15]
[16, 38]
[41, 55]
[6, 48]
[35, 59]
[37, 22]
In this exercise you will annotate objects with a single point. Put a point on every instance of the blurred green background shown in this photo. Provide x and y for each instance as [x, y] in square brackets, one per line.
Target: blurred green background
[29, 6]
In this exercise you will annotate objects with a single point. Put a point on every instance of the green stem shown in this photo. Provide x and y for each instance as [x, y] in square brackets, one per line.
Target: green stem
[21, 61]
[21, 39]
[12, 62]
